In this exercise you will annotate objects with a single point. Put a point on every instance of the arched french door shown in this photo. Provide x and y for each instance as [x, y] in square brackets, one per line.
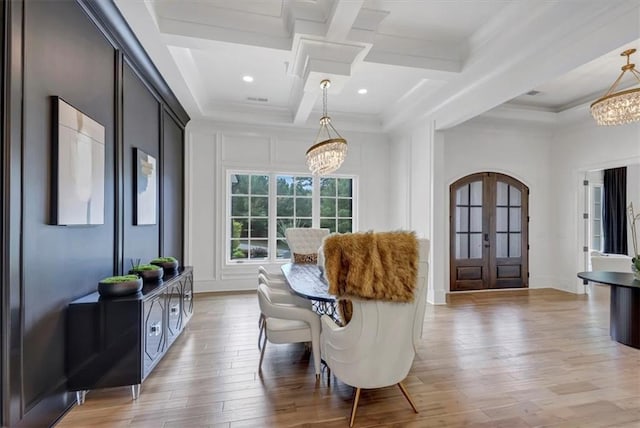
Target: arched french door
[489, 224]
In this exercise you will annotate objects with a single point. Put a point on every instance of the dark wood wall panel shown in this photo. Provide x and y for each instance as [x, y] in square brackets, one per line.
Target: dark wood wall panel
[172, 189]
[66, 56]
[141, 129]
[83, 52]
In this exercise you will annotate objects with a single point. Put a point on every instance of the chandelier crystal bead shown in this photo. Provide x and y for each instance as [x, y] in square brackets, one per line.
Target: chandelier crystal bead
[329, 151]
[617, 108]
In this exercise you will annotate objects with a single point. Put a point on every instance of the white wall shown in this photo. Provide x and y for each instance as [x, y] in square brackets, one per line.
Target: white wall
[522, 152]
[576, 149]
[213, 148]
[411, 165]
[633, 195]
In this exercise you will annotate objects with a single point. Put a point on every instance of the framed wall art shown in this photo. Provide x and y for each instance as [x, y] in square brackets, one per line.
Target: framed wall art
[145, 182]
[78, 167]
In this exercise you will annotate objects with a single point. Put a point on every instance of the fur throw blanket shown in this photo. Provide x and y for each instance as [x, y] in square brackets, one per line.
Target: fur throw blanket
[379, 266]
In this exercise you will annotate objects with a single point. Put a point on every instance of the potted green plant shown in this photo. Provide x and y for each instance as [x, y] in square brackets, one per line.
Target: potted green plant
[634, 219]
[119, 285]
[166, 263]
[147, 272]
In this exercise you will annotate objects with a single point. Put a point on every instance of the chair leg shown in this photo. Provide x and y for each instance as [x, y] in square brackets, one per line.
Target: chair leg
[356, 399]
[407, 396]
[261, 326]
[264, 345]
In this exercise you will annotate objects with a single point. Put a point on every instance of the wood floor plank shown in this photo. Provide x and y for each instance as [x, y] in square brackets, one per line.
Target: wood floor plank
[527, 358]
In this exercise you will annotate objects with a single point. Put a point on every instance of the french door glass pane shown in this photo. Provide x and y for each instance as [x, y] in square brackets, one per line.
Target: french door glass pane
[502, 193]
[475, 246]
[462, 195]
[502, 245]
[502, 224]
[514, 245]
[462, 219]
[462, 246]
[514, 219]
[476, 219]
[476, 193]
[515, 196]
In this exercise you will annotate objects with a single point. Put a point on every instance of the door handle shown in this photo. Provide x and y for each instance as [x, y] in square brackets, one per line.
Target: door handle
[486, 240]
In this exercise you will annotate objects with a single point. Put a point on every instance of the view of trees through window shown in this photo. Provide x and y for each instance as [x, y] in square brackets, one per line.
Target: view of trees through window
[293, 198]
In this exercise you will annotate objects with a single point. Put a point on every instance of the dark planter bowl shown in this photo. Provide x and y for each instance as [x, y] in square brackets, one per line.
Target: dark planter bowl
[148, 275]
[120, 288]
[167, 266]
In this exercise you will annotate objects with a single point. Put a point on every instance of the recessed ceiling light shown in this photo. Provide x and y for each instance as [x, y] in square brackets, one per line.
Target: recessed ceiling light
[247, 79]
[362, 91]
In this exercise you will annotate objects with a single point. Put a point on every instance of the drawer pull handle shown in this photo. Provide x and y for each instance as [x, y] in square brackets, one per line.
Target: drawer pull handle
[187, 295]
[174, 309]
[154, 329]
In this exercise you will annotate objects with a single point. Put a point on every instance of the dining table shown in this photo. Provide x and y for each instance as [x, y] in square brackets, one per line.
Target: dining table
[307, 280]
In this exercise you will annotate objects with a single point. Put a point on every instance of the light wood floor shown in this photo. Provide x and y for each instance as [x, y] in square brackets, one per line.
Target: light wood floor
[500, 359]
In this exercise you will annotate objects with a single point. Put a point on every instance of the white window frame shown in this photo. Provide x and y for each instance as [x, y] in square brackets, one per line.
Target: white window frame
[272, 234]
[592, 215]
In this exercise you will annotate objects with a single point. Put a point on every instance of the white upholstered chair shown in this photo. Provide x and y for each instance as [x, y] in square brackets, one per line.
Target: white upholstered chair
[288, 323]
[376, 348]
[304, 240]
[280, 293]
[276, 278]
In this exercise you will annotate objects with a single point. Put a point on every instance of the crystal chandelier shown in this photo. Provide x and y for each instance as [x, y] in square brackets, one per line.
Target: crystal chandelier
[327, 154]
[617, 108]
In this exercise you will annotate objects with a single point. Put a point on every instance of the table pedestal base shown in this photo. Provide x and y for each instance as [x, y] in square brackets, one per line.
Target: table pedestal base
[625, 316]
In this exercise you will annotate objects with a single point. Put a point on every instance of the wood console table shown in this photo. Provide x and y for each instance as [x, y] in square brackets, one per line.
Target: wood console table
[624, 317]
[117, 341]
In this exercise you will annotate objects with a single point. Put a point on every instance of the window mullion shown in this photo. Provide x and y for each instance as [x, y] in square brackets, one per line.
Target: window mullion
[272, 235]
[315, 202]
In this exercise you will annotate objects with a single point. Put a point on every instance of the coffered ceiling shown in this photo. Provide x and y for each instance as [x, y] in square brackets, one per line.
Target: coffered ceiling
[443, 60]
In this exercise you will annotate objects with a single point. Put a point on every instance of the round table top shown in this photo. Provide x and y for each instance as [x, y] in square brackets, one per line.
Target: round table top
[308, 281]
[620, 279]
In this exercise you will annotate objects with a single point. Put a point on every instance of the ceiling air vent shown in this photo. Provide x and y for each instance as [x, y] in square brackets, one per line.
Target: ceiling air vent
[258, 99]
[532, 93]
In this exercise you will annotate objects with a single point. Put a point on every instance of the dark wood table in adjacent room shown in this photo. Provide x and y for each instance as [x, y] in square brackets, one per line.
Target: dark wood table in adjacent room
[624, 317]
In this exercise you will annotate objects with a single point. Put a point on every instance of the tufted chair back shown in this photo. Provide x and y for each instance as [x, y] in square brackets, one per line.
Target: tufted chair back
[304, 240]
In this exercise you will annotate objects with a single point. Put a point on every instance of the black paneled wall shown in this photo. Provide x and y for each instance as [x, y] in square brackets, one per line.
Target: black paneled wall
[141, 129]
[65, 56]
[83, 52]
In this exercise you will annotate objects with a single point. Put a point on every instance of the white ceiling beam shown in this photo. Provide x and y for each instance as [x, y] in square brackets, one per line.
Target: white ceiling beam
[551, 38]
[143, 24]
[341, 18]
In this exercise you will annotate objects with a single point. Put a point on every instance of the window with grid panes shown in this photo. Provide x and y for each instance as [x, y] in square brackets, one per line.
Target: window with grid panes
[336, 204]
[263, 205]
[249, 219]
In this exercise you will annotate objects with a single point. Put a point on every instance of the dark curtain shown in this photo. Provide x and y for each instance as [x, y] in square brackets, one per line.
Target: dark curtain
[614, 210]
